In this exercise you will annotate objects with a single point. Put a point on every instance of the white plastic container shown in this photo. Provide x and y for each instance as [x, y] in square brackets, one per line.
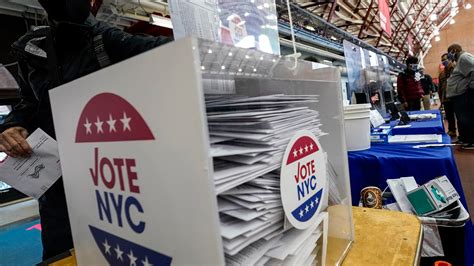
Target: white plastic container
[357, 132]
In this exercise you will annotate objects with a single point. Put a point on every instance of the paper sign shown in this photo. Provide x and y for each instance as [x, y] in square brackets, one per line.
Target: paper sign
[35, 174]
[303, 179]
[134, 177]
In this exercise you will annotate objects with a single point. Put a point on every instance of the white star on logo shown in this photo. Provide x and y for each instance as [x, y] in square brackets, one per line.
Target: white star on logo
[133, 259]
[316, 201]
[146, 262]
[301, 150]
[111, 123]
[295, 153]
[311, 146]
[119, 252]
[126, 122]
[311, 204]
[307, 208]
[301, 213]
[98, 124]
[88, 127]
[106, 246]
[306, 148]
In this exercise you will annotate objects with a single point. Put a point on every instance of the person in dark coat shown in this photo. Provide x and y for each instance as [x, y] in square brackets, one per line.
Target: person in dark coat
[73, 45]
[428, 88]
[409, 87]
[447, 104]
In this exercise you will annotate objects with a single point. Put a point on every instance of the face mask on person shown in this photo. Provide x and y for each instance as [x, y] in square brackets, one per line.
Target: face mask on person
[451, 56]
[413, 67]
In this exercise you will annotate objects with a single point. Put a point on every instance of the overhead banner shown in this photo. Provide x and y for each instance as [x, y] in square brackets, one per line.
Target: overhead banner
[384, 12]
[246, 24]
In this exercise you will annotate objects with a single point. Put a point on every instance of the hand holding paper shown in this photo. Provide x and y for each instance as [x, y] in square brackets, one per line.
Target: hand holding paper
[35, 174]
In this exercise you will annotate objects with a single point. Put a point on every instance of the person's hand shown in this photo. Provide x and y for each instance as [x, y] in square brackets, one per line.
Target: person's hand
[405, 104]
[13, 142]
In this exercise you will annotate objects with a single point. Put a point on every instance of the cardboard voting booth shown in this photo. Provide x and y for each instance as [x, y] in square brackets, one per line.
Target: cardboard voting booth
[157, 172]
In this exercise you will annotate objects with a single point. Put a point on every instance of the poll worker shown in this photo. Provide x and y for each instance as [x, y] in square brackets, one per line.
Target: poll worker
[460, 90]
[409, 87]
[73, 45]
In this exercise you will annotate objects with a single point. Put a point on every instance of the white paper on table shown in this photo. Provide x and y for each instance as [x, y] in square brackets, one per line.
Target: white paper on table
[400, 195]
[415, 138]
[34, 175]
[376, 118]
[409, 183]
[402, 126]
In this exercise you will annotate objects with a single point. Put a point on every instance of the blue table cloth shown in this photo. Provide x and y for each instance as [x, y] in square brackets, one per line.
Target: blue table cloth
[374, 166]
[432, 126]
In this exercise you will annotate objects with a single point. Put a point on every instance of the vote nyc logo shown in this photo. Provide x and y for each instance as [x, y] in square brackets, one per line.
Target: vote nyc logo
[109, 118]
[303, 179]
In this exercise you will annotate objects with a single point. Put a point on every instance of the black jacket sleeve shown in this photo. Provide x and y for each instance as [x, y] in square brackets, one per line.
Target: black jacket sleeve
[121, 45]
[23, 113]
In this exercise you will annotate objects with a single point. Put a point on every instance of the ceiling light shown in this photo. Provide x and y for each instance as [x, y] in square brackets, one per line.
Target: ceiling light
[223, 67]
[433, 17]
[468, 6]
[161, 21]
[246, 14]
[437, 39]
[209, 51]
[454, 3]
[452, 21]
[254, 70]
[240, 69]
[230, 53]
[203, 67]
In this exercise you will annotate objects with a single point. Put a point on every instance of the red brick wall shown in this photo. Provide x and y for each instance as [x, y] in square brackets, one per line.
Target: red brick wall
[461, 32]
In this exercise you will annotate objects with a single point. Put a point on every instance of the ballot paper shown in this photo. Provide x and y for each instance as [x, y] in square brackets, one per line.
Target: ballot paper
[248, 139]
[35, 174]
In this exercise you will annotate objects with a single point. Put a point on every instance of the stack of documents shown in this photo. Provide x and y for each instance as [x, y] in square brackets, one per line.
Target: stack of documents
[249, 134]
[248, 138]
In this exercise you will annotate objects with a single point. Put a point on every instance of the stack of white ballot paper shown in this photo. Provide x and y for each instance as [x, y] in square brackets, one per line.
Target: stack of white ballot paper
[248, 139]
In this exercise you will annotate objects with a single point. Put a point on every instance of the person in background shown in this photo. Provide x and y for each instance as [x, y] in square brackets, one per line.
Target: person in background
[73, 45]
[460, 90]
[445, 102]
[409, 87]
[428, 89]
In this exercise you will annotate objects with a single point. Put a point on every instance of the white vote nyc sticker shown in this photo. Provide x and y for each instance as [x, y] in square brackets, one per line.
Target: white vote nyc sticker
[303, 179]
